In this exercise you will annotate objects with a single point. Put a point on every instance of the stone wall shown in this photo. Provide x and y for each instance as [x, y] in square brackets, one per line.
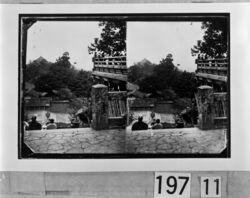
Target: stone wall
[235, 184]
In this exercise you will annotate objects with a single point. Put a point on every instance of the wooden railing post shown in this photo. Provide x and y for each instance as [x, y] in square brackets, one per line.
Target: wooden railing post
[204, 99]
[99, 96]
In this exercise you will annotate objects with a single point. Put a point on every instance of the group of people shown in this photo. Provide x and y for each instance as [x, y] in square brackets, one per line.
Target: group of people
[153, 123]
[187, 118]
[35, 125]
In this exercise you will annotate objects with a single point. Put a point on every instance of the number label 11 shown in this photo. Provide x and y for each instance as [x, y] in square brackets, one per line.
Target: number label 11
[211, 186]
[172, 185]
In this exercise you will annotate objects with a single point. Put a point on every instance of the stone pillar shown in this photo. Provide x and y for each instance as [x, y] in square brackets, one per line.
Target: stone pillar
[99, 96]
[204, 100]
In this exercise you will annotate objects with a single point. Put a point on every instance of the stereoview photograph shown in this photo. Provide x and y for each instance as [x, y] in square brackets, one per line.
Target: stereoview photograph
[100, 86]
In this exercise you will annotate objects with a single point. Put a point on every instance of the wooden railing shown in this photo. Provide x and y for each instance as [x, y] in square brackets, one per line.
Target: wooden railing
[117, 109]
[218, 67]
[117, 104]
[220, 110]
[115, 65]
[220, 104]
[214, 109]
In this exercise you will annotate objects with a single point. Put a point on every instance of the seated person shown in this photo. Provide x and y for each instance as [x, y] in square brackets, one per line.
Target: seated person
[139, 125]
[45, 123]
[25, 125]
[157, 125]
[83, 120]
[179, 121]
[51, 124]
[75, 123]
[152, 119]
[34, 125]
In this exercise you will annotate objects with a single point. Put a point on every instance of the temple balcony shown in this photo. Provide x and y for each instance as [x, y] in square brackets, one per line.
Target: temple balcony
[212, 70]
[113, 68]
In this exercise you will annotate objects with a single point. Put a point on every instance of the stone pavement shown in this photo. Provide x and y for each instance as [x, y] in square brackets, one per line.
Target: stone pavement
[176, 141]
[86, 140]
[82, 140]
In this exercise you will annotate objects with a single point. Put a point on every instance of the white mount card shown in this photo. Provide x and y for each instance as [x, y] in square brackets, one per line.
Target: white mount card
[172, 185]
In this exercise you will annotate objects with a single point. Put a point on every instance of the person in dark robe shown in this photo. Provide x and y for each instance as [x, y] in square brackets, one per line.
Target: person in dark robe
[52, 124]
[157, 125]
[34, 125]
[75, 123]
[139, 125]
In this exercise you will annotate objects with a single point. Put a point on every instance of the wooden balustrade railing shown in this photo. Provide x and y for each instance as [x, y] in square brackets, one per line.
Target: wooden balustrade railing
[117, 104]
[116, 65]
[212, 66]
[111, 67]
[117, 109]
[213, 109]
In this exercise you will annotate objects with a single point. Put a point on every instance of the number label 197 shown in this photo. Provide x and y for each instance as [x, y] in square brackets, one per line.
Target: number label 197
[172, 185]
[211, 186]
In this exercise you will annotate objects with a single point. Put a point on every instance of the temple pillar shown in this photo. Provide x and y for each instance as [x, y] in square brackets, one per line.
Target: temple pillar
[99, 96]
[204, 99]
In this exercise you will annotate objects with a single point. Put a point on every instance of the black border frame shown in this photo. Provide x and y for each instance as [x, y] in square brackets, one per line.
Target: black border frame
[26, 19]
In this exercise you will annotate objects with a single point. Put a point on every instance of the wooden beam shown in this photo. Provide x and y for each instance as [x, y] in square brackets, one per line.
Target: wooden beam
[212, 77]
[120, 77]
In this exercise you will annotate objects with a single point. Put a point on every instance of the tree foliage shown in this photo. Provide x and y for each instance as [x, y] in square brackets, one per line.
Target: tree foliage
[163, 77]
[60, 75]
[140, 70]
[82, 84]
[65, 93]
[59, 79]
[168, 82]
[112, 40]
[36, 69]
[63, 61]
[215, 39]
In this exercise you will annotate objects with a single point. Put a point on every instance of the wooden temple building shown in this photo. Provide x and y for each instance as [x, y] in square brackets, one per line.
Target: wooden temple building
[212, 97]
[111, 71]
[109, 93]
[213, 72]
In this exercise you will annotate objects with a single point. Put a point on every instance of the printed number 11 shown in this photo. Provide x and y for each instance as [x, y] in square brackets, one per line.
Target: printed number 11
[217, 186]
[211, 186]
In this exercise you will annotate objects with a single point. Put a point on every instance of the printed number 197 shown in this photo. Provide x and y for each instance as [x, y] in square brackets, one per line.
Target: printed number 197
[172, 185]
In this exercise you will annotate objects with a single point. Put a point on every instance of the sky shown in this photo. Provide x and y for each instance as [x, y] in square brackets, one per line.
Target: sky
[150, 40]
[154, 40]
[51, 39]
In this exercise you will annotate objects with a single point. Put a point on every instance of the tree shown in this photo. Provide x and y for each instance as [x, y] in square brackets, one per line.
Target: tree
[166, 72]
[36, 68]
[169, 94]
[61, 74]
[65, 93]
[63, 61]
[112, 40]
[82, 84]
[48, 83]
[168, 82]
[164, 77]
[140, 70]
[59, 79]
[215, 40]
[186, 86]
